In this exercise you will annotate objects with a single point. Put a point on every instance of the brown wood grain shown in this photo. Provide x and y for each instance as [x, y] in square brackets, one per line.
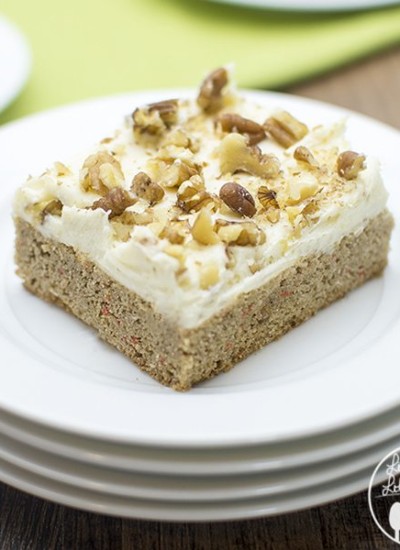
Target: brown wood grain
[30, 523]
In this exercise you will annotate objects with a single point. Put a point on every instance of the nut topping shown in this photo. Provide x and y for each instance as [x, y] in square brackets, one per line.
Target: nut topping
[210, 97]
[172, 175]
[240, 233]
[285, 129]
[151, 121]
[238, 199]
[147, 189]
[349, 164]
[267, 197]
[53, 208]
[236, 155]
[175, 231]
[167, 109]
[203, 228]
[192, 195]
[116, 201]
[303, 154]
[101, 172]
[231, 122]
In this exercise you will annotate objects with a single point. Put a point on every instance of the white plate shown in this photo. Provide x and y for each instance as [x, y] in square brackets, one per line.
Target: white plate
[328, 373]
[311, 5]
[201, 462]
[187, 488]
[215, 510]
[15, 62]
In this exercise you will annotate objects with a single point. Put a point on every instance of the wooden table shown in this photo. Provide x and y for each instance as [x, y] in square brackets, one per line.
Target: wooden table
[30, 523]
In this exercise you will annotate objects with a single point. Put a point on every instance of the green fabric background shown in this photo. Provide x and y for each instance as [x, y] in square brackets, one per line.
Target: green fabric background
[85, 48]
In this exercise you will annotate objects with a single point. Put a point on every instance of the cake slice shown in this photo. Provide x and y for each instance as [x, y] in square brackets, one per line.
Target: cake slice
[202, 230]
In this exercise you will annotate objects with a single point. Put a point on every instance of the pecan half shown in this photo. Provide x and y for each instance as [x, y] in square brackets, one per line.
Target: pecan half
[349, 164]
[210, 97]
[146, 188]
[285, 129]
[231, 122]
[101, 172]
[236, 155]
[238, 199]
[116, 201]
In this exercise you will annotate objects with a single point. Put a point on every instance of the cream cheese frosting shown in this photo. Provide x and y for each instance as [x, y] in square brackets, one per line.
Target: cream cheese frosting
[185, 279]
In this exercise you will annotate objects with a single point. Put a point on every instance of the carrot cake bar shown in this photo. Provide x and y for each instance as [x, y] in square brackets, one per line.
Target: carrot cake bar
[202, 230]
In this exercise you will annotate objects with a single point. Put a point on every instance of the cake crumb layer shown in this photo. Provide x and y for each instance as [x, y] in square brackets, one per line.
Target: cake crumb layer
[179, 357]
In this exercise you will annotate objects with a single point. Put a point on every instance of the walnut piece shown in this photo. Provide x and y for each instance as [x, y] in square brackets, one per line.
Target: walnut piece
[210, 97]
[101, 172]
[172, 175]
[151, 121]
[176, 231]
[285, 129]
[267, 197]
[203, 228]
[52, 208]
[240, 233]
[61, 169]
[300, 188]
[192, 196]
[116, 201]
[350, 164]
[238, 199]
[135, 218]
[146, 188]
[231, 122]
[236, 155]
[303, 154]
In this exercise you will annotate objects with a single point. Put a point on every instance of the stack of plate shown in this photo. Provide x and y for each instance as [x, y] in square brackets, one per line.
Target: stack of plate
[298, 424]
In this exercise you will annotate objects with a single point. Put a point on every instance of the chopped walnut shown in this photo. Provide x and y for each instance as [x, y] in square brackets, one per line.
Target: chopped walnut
[61, 169]
[268, 201]
[231, 122]
[285, 129]
[151, 121]
[172, 175]
[176, 231]
[116, 201]
[192, 196]
[179, 138]
[267, 197]
[303, 154]
[238, 199]
[236, 155]
[350, 164]
[210, 97]
[240, 233]
[298, 189]
[147, 189]
[101, 172]
[52, 208]
[135, 218]
[203, 228]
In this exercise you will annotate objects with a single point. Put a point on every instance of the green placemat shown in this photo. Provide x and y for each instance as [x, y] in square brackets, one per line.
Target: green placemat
[86, 48]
